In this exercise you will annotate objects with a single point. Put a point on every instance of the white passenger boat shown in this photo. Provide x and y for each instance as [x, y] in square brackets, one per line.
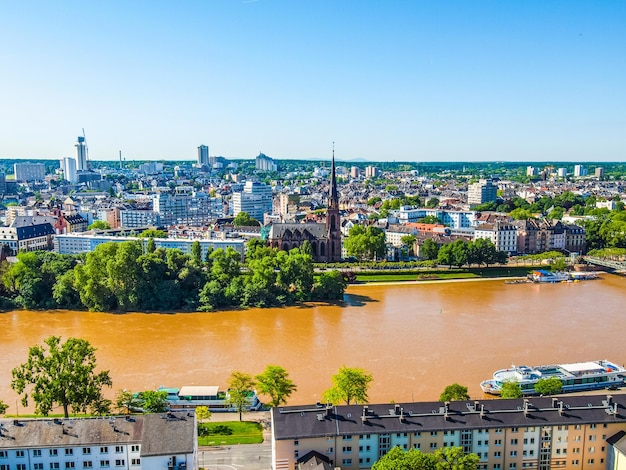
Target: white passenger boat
[579, 376]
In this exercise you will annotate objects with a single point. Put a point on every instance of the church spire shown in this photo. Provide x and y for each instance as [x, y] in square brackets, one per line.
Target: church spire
[334, 198]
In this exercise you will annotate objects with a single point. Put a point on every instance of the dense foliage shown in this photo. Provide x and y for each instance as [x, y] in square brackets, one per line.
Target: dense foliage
[131, 276]
[446, 458]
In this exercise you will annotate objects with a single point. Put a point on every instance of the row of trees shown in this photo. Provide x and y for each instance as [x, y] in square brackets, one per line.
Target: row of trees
[461, 252]
[509, 389]
[132, 276]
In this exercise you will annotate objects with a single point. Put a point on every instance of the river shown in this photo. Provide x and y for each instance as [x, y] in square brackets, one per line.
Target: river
[415, 339]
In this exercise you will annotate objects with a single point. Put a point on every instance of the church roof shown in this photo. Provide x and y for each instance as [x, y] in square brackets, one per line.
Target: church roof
[279, 231]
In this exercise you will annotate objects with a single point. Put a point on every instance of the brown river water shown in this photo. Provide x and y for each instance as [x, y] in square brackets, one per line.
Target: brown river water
[415, 339]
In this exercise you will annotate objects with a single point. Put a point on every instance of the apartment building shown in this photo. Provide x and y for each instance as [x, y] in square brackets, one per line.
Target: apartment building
[151, 441]
[502, 234]
[569, 432]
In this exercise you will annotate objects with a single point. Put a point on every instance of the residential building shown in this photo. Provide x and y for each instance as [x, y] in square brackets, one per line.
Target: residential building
[537, 236]
[395, 232]
[29, 171]
[580, 170]
[451, 218]
[28, 233]
[561, 172]
[502, 234]
[569, 432]
[265, 163]
[371, 172]
[203, 155]
[575, 238]
[481, 192]
[355, 172]
[599, 173]
[135, 218]
[69, 223]
[255, 199]
[151, 441]
[531, 171]
[111, 216]
[186, 207]
[71, 244]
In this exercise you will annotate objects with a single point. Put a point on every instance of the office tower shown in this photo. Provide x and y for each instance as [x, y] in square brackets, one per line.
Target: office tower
[255, 199]
[580, 170]
[81, 154]
[203, 155]
[68, 165]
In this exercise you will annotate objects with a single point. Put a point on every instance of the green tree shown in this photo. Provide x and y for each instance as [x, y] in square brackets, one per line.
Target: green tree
[511, 389]
[454, 392]
[196, 253]
[366, 243]
[240, 387]
[429, 249]
[429, 219]
[432, 203]
[3, 407]
[153, 401]
[99, 225]
[243, 219]
[548, 386]
[350, 385]
[520, 214]
[445, 255]
[153, 233]
[275, 382]
[330, 285]
[203, 413]
[453, 458]
[127, 401]
[64, 375]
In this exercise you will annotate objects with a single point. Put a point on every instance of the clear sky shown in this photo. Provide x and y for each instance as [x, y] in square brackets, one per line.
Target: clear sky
[429, 80]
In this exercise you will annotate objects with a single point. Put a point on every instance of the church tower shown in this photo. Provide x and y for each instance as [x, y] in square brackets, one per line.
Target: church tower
[333, 221]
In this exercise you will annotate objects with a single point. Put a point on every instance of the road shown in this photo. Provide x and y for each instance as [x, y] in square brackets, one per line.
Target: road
[248, 456]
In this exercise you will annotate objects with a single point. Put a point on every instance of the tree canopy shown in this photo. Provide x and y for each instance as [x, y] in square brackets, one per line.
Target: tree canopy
[548, 386]
[240, 386]
[454, 392]
[243, 219]
[99, 225]
[350, 385]
[366, 243]
[63, 374]
[275, 382]
[511, 389]
[446, 458]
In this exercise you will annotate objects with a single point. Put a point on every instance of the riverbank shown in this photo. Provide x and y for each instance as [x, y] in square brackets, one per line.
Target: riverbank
[434, 281]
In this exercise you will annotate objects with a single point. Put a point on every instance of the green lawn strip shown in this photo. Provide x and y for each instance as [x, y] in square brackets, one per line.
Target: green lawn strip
[421, 275]
[243, 432]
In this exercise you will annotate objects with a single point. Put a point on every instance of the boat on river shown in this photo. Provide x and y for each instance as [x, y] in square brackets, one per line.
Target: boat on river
[575, 377]
[543, 276]
[210, 396]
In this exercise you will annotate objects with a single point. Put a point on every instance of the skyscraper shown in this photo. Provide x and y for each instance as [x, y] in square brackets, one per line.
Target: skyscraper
[81, 154]
[68, 165]
[203, 155]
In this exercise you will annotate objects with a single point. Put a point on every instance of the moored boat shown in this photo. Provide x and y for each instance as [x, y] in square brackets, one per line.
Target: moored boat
[578, 376]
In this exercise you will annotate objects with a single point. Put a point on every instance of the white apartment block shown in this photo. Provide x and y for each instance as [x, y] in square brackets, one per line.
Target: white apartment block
[151, 442]
[453, 219]
[255, 199]
[503, 235]
[29, 171]
[76, 243]
[194, 209]
[481, 192]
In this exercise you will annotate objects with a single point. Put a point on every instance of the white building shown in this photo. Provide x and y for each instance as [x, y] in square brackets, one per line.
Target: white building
[76, 243]
[151, 441]
[502, 234]
[68, 165]
[481, 192]
[561, 172]
[580, 170]
[186, 207]
[255, 199]
[453, 219]
[531, 171]
[29, 171]
[265, 163]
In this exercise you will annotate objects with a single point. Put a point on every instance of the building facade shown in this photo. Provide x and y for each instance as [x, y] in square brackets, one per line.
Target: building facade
[68, 165]
[255, 199]
[81, 154]
[152, 441]
[481, 192]
[203, 155]
[29, 171]
[540, 433]
[185, 208]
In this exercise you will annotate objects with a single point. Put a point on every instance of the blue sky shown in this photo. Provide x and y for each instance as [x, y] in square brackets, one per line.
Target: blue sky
[385, 80]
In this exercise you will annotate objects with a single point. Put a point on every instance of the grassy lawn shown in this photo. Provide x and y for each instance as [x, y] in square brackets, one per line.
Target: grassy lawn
[421, 275]
[230, 432]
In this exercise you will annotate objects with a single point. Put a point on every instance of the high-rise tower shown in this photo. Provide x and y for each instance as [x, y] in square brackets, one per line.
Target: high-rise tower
[81, 154]
[203, 155]
[333, 220]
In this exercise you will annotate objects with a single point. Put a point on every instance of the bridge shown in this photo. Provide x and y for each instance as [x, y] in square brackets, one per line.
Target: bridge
[613, 265]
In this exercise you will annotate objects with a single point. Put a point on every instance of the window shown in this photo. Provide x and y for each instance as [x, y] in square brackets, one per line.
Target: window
[5, 467]
[592, 449]
[3, 454]
[590, 461]
[498, 442]
[347, 462]
[69, 451]
[87, 464]
[21, 466]
[593, 426]
[104, 464]
[36, 452]
[135, 461]
[592, 438]
[417, 445]
[330, 450]
[513, 442]
[69, 464]
[346, 438]
[119, 449]
[497, 454]
[433, 445]
[513, 453]
[19, 453]
[296, 442]
[134, 448]
[122, 462]
[54, 465]
[417, 434]
[575, 462]
[514, 429]
[54, 453]
[347, 449]
[512, 465]
[38, 466]
[104, 450]
[86, 450]
[433, 433]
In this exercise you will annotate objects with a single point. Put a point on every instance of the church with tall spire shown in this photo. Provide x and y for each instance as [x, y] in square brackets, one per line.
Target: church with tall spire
[325, 238]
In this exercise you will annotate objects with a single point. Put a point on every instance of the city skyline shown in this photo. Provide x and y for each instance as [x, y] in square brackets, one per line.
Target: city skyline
[403, 81]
